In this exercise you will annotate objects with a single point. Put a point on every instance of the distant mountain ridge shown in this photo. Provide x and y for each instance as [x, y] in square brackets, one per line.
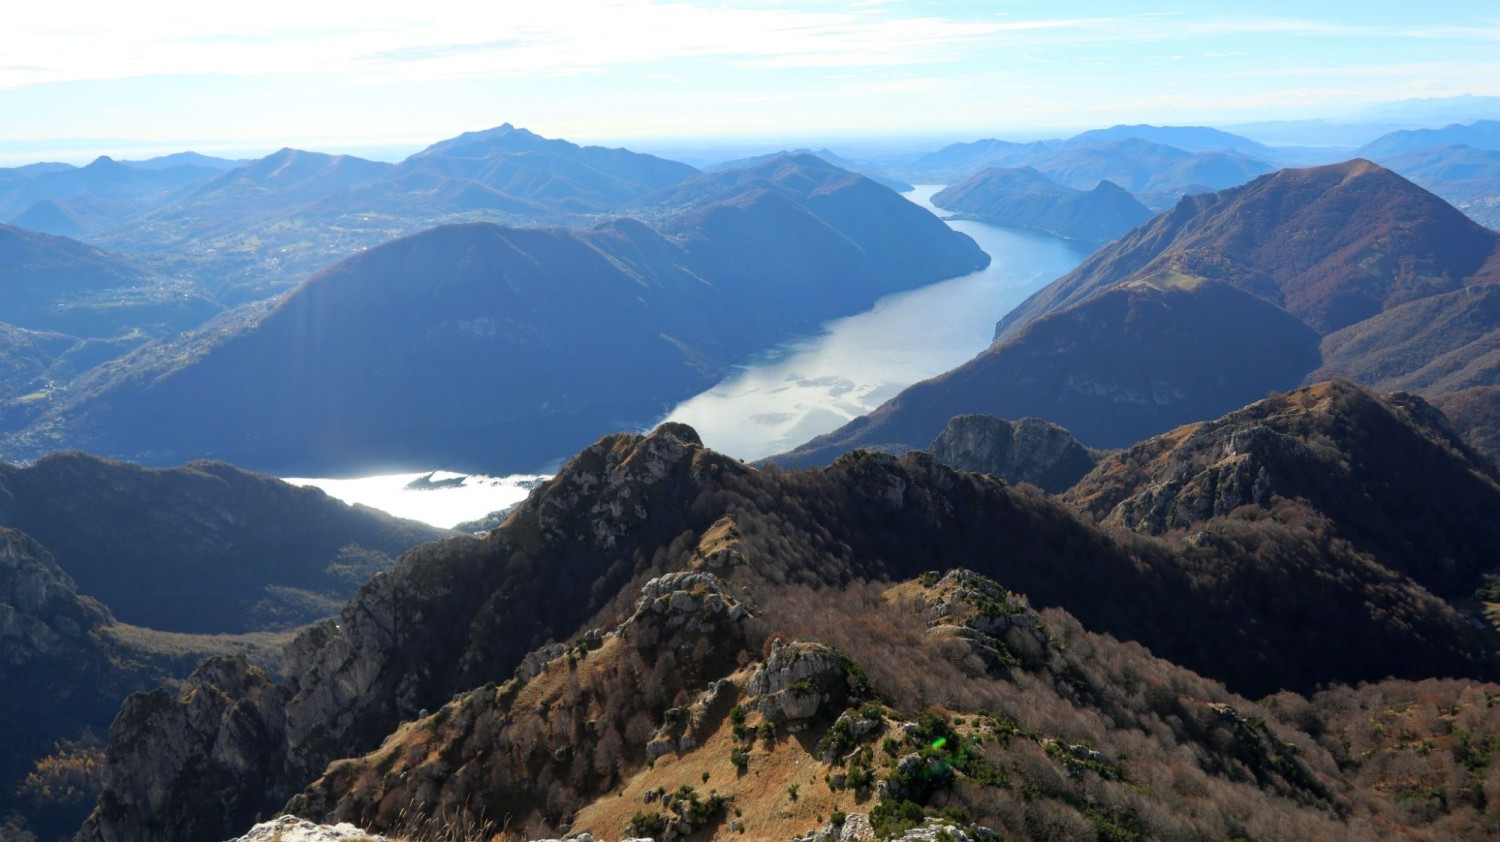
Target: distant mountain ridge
[1140, 159]
[1025, 198]
[873, 173]
[1481, 134]
[204, 548]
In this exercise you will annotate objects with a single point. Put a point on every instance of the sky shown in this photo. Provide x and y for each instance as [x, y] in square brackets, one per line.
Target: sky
[85, 78]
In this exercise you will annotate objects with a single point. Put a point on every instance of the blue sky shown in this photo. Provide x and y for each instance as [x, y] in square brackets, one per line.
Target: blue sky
[159, 76]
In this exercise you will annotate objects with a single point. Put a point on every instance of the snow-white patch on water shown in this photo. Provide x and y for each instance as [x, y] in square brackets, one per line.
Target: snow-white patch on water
[440, 498]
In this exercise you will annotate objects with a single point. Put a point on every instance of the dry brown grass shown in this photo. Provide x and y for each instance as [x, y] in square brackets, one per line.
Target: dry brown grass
[760, 793]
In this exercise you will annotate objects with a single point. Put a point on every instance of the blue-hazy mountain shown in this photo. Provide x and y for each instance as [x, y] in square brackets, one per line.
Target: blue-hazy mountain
[1025, 198]
[1481, 134]
[1138, 164]
[875, 174]
[53, 283]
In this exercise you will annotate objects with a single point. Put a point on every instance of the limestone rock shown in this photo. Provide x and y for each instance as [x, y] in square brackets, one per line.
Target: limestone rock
[172, 758]
[688, 601]
[293, 829]
[799, 680]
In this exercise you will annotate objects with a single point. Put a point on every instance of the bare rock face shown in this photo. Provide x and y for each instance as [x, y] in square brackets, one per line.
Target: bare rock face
[799, 681]
[175, 762]
[690, 601]
[1236, 471]
[1029, 450]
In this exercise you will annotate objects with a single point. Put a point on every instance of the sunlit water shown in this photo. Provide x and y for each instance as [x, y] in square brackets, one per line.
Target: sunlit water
[799, 389]
[816, 384]
[439, 498]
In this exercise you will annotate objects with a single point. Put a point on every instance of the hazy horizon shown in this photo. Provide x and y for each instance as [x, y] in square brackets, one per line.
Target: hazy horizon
[161, 77]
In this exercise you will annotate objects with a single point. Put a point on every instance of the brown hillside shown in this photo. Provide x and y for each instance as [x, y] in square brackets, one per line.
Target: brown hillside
[1374, 467]
[1333, 245]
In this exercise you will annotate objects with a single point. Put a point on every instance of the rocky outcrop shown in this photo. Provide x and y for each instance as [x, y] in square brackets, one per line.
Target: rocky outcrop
[1240, 475]
[801, 680]
[855, 827]
[178, 763]
[1029, 450]
[293, 829]
[689, 601]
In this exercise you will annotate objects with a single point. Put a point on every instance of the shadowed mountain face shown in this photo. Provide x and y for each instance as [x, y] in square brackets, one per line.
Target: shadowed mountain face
[206, 549]
[1141, 358]
[501, 349]
[1332, 245]
[202, 548]
[666, 568]
[1025, 198]
[1475, 413]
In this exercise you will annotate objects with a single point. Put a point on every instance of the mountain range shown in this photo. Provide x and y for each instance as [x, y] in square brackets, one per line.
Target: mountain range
[445, 348]
[1131, 161]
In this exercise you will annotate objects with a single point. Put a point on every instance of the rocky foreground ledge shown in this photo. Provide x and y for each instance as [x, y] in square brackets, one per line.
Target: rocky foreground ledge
[853, 828]
[293, 829]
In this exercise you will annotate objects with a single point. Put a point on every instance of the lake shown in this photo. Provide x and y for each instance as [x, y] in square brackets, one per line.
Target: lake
[816, 384]
[799, 389]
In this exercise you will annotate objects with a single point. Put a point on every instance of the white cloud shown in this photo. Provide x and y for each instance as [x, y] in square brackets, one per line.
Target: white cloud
[445, 38]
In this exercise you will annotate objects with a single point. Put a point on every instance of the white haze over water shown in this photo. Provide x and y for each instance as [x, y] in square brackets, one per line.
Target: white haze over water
[454, 499]
[812, 386]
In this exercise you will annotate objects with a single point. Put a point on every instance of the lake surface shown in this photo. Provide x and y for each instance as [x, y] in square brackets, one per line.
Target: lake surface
[799, 389]
[816, 384]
